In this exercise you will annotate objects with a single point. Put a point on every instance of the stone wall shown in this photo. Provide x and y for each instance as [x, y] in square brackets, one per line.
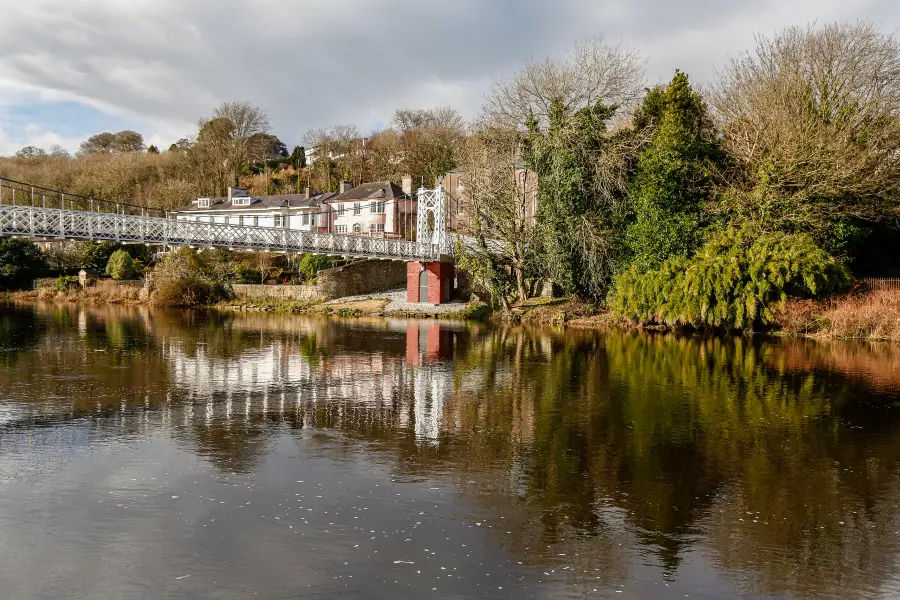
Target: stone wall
[362, 277]
[355, 279]
[299, 293]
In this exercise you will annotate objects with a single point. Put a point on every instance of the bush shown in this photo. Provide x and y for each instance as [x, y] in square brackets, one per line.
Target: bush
[182, 279]
[21, 262]
[732, 282]
[311, 264]
[120, 265]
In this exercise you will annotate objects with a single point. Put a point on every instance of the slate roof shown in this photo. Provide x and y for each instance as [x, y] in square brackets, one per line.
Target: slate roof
[370, 191]
[257, 202]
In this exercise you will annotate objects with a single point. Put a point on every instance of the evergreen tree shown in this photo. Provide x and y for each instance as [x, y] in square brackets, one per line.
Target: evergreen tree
[672, 179]
[20, 262]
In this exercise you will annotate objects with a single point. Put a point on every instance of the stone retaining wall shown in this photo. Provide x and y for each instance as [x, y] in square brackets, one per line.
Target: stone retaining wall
[299, 293]
[355, 279]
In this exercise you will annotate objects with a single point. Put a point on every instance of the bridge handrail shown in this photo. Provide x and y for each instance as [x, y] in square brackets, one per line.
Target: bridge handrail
[21, 186]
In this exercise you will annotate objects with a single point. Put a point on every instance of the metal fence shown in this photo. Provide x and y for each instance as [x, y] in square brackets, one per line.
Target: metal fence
[881, 283]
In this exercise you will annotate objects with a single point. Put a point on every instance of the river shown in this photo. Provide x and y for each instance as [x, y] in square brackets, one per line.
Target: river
[150, 454]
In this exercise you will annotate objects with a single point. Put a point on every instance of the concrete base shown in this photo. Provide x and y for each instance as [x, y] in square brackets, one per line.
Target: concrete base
[435, 278]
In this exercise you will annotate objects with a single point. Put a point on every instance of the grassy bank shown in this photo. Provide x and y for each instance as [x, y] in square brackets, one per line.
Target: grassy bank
[93, 295]
[866, 316]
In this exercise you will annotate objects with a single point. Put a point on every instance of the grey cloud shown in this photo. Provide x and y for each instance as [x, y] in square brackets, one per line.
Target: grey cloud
[315, 63]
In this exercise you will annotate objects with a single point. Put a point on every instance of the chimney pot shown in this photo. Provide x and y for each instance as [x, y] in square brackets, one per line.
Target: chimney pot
[308, 193]
[345, 186]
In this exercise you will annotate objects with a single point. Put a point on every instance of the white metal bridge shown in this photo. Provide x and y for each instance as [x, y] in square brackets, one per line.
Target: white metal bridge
[40, 213]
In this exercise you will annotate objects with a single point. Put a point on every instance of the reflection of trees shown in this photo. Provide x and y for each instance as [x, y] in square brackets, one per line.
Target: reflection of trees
[578, 440]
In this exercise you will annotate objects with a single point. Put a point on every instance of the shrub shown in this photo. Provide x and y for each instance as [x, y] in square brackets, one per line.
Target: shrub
[182, 279]
[311, 264]
[120, 265]
[732, 282]
[21, 261]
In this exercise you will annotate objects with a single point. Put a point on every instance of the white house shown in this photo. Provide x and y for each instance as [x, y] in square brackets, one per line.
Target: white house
[380, 209]
[305, 212]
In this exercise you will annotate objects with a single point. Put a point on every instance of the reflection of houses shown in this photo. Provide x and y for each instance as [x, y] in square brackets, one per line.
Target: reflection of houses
[327, 387]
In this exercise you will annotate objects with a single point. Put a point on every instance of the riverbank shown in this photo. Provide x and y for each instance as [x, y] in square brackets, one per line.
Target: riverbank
[869, 316]
[382, 304]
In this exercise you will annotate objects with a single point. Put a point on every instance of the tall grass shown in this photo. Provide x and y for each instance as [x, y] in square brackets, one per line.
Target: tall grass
[870, 316]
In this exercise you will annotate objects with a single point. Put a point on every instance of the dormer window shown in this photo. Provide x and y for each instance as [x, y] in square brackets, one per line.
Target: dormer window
[241, 201]
[202, 202]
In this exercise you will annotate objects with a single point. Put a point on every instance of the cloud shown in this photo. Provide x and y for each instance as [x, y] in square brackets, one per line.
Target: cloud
[160, 65]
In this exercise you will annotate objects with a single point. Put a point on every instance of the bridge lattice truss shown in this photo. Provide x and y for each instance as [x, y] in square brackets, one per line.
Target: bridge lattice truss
[37, 221]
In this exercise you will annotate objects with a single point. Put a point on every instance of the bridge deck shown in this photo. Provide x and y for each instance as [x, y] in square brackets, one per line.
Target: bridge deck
[70, 224]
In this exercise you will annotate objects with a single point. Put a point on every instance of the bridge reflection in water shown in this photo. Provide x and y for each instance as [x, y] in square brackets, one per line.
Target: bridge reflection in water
[770, 467]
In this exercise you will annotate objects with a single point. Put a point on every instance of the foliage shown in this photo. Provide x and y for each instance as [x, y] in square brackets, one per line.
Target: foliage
[96, 255]
[120, 265]
[30, 152]
[672, 180]
[21, 261]
[186, 278]
[575, 222]
[113, 143]
[731, 283]
[311, 264]
[811, 119]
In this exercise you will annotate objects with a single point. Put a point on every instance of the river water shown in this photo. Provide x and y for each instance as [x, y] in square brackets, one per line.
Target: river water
[149, 454]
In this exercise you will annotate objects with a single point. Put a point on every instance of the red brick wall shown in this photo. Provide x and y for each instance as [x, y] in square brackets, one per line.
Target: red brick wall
[440, 281]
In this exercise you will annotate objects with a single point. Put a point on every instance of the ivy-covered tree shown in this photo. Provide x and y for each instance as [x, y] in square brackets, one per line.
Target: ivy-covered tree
[672, 179]
[574, 218]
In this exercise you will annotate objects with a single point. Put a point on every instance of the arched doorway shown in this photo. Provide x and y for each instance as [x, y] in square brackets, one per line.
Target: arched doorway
[423, 285]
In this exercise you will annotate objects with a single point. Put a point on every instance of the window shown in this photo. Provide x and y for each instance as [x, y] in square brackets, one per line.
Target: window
[379, 227]
[341, 210]
[459, 182]
[241, 220]
[376, 208]
[279, 221]
[227, 220]
[522, 177]
[357, 228]
[357, 209]
[340, 229]
[256, 221]
[245, 201]
[203, 202]
[305, 219]
[459, 206]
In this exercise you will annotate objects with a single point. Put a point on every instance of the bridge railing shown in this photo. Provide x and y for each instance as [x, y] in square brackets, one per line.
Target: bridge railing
[49, 223]
[17, 193]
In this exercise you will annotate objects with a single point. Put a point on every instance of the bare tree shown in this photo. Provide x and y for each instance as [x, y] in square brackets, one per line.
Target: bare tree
[503, 234]
[246, 121]
[812, 118]
[590, 72]
[30, 152]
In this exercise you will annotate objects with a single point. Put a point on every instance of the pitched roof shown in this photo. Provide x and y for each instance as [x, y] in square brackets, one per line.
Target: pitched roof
[257, 202]
[370, 191]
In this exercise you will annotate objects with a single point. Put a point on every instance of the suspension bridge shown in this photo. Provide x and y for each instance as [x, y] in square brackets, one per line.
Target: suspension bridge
[43, 214]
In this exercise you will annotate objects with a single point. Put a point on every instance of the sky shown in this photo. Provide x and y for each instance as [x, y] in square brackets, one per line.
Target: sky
[73, 68]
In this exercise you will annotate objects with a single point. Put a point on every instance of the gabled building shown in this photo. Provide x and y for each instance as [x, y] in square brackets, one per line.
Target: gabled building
[304, 212]
[459, 206]
[381, 209]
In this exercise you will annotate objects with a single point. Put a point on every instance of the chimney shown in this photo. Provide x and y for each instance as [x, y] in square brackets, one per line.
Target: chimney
[407, 185]
[308, 193]
[345, 186]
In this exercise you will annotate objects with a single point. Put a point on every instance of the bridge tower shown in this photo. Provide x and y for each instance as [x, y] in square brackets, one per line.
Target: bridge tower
[431, 281]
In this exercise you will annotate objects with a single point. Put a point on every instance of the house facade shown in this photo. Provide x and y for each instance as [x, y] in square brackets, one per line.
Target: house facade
[303, 212]
[378, 209]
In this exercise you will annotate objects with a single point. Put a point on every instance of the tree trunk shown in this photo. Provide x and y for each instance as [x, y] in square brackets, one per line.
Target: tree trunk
[520, 284]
